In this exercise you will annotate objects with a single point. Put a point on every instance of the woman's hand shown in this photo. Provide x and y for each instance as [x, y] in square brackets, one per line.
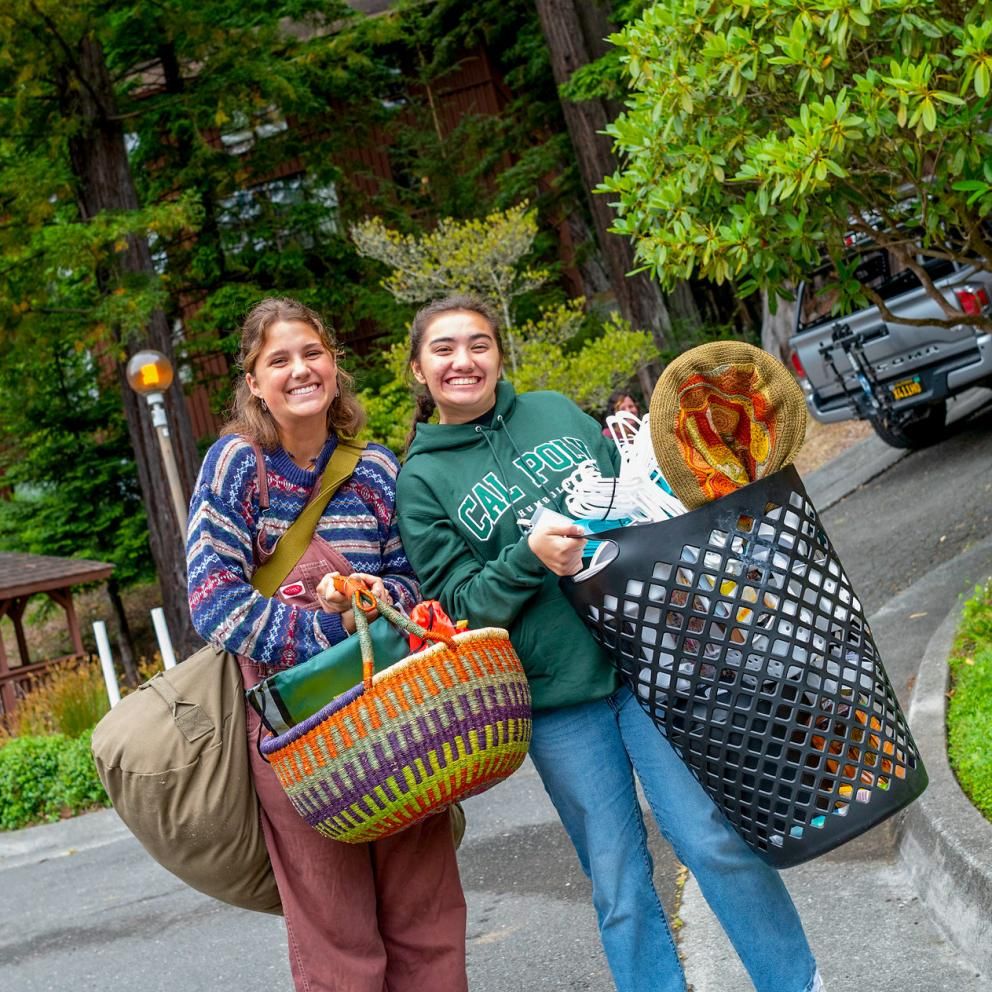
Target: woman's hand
[329, 598]
[559, 547]
[374, 584]
[334, 601]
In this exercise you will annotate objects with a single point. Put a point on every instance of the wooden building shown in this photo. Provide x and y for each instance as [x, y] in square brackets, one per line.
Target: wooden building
[23, 576]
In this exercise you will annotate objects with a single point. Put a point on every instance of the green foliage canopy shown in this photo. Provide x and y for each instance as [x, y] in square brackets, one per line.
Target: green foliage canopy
[488, 257]
[75, 493]
[182, 81]
[758, 135]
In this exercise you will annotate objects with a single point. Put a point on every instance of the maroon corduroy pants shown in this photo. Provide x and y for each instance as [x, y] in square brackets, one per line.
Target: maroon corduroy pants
[382, 917]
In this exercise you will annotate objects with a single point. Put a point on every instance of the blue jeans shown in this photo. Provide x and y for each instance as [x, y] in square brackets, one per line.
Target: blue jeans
[586, 756]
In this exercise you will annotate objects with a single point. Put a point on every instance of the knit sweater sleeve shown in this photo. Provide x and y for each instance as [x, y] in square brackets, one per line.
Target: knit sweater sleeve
[226, 610]
[491, 593]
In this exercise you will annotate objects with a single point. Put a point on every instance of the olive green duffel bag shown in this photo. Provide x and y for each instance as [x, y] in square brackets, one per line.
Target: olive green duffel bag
[173, 758]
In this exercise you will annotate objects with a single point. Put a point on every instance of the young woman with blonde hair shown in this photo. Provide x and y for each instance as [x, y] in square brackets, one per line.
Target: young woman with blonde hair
[363, 917]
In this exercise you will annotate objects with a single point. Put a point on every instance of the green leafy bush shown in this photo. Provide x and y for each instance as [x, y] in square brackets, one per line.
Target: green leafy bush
[562, 347]
[43, 779]
[969, 711]
[759, 136]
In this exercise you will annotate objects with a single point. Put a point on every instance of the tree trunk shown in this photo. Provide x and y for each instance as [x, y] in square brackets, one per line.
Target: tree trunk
[124, 639]
[776, 328]
[104, 182]
[575, 34]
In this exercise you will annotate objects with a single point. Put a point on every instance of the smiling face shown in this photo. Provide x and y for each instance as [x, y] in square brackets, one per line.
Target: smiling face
[460, 363]
[295, 375]
[626, 405]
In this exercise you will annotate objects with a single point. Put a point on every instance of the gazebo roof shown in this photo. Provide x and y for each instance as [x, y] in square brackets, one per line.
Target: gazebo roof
[24, 575]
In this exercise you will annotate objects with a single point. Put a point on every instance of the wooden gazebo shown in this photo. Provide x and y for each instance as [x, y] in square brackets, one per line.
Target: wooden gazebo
[23, 576]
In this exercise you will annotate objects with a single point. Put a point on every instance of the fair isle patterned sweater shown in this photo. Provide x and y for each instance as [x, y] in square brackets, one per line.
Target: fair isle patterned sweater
[225, 520]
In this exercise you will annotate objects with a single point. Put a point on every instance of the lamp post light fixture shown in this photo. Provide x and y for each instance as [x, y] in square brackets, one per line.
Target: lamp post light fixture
[149, 373]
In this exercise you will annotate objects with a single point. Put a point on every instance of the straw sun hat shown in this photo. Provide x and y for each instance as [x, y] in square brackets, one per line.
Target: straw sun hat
[723, 415]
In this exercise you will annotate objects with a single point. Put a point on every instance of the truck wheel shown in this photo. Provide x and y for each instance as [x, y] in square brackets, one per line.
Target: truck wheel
[917, 430]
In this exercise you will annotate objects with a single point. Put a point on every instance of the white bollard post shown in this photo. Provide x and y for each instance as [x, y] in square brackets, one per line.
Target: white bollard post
[106, 662]
[164, 641]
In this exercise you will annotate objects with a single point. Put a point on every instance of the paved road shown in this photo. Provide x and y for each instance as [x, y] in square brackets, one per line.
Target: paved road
[98, 914]
[928, 508]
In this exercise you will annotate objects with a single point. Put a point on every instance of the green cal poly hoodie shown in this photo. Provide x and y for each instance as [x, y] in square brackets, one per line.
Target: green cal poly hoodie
[459, 496]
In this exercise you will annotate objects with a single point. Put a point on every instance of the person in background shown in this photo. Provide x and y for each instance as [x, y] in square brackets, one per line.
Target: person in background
[389, 915]
[620, 401]
[468, 483]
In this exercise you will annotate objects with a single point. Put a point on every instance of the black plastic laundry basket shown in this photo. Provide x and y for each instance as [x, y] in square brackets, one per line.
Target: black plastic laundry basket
[739, 632]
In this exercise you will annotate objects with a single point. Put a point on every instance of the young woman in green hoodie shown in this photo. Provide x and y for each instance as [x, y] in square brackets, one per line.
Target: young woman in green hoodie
[469, 482]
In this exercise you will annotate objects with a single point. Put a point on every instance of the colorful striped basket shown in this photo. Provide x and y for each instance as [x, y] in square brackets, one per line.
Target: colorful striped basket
[442, 724]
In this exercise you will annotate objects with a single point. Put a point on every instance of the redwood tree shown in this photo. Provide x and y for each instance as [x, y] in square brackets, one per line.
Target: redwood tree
[76, 243]
[100, 162]
[575, 34]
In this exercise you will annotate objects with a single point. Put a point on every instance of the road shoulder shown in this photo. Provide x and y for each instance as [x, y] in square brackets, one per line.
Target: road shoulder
[946, 844]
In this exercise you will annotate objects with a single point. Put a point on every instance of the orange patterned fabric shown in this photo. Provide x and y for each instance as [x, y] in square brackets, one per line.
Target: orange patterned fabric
[725, 428]
[724, 415]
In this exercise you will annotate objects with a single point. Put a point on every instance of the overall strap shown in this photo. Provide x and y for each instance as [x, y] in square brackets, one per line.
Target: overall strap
[290, 547]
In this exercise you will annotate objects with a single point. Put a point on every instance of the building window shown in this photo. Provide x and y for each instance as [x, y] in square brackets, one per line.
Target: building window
[242, 130]
[293, 208]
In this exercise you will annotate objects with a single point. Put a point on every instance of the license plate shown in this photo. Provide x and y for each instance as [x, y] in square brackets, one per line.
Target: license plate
[907, 387]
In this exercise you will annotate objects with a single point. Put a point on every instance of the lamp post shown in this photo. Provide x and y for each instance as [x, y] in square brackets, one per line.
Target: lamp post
[149, 373]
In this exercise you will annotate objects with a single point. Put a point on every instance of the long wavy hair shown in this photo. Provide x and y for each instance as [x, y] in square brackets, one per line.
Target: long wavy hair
[249, 417]
[424, 317]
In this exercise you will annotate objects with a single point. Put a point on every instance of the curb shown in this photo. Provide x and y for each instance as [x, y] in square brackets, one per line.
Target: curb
[869, 458]
[946, 844]
[31, 845]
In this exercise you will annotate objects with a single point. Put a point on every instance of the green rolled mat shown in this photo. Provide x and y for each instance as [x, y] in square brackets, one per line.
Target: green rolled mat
[289, 697]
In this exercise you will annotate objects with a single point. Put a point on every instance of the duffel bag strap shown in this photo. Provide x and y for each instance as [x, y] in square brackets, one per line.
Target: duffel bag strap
[190, 719]
[291, 546]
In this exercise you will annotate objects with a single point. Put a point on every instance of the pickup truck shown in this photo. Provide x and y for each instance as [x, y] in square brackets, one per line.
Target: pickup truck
[897, 376]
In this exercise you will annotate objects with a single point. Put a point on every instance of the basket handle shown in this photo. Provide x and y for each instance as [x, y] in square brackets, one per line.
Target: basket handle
[361, 600]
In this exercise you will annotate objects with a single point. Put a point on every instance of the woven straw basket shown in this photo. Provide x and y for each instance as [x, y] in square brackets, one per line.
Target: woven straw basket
[442, 724]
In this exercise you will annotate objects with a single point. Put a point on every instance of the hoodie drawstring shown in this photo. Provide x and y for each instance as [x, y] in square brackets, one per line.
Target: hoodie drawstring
[500, 422]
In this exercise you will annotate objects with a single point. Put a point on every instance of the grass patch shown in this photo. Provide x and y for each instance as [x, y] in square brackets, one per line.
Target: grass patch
[68, 699]
[969, 709]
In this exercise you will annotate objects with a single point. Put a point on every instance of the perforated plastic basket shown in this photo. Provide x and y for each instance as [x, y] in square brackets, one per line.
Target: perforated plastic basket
[740, 634]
